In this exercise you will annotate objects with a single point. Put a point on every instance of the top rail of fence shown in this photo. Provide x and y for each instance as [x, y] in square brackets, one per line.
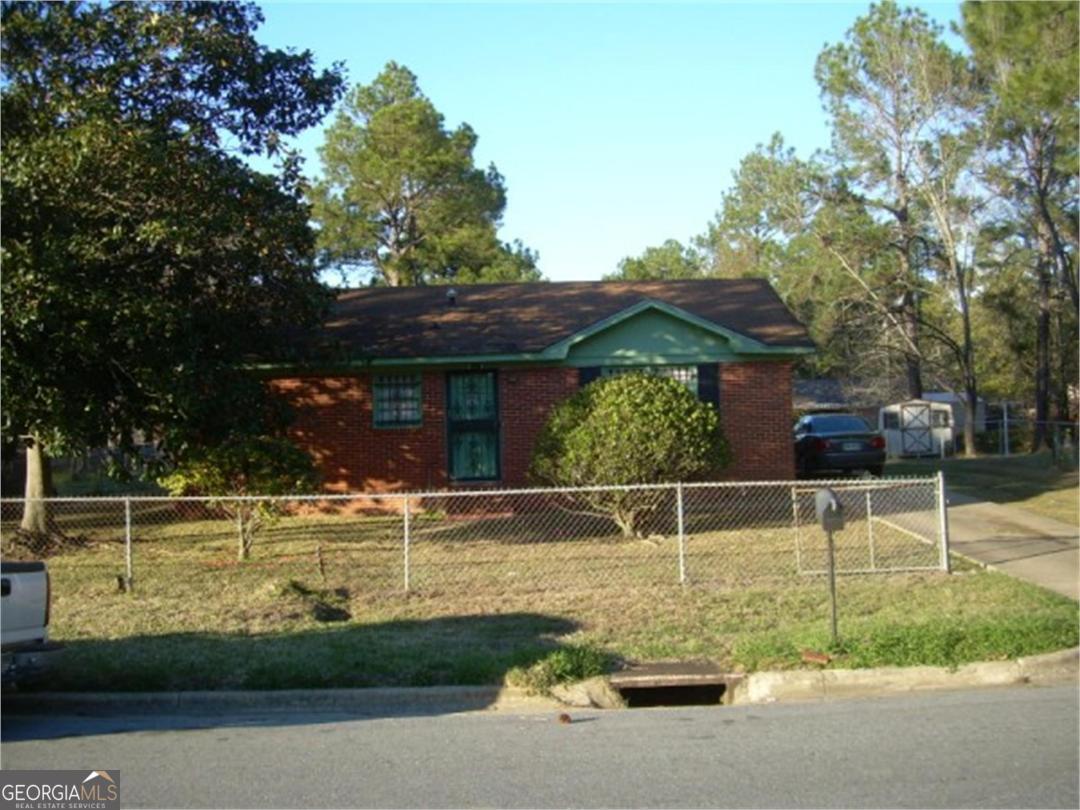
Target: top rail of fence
[846, 483]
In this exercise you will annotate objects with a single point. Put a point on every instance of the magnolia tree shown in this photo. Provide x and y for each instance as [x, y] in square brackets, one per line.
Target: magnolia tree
[246, 467]
[628, 429]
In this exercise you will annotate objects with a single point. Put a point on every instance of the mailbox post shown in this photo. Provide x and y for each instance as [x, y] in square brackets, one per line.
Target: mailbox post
[830, 514]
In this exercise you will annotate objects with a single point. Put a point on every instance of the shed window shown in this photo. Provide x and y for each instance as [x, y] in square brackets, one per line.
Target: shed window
[397, 400]
[890, 420]
[687, 375]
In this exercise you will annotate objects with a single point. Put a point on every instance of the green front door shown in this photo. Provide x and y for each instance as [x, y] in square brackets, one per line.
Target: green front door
[472, 419]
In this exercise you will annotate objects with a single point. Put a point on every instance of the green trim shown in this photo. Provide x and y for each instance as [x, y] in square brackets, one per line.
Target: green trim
[478, 362]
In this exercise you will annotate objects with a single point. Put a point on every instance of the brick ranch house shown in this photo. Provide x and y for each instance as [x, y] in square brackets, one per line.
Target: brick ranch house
[434, 388]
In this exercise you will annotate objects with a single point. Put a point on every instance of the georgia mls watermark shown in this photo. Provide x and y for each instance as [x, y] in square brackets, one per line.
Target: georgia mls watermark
[59, 790]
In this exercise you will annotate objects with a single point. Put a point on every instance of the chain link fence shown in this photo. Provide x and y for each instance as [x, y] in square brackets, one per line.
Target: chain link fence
[485, 542]
[1014, 436]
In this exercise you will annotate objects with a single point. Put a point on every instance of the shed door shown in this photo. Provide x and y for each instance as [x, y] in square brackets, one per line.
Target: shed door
[915, 436]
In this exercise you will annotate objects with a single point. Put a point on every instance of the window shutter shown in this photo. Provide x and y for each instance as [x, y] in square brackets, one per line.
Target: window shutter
[587, 375]
[708, 380]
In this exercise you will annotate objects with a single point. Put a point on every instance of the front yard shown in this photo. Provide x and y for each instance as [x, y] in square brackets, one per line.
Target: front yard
[331, 612]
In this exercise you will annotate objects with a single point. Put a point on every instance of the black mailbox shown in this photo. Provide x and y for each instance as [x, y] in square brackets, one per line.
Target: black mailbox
[830, 513]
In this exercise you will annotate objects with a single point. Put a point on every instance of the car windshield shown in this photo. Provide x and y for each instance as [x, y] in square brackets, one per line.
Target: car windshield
[839, 423]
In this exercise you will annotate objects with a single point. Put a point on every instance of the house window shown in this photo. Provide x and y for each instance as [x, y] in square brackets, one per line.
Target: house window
[473, 426]
[397, 400]
[687, 375]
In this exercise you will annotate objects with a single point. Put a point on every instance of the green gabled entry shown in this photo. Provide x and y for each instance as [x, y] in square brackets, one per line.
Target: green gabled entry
[652, 337]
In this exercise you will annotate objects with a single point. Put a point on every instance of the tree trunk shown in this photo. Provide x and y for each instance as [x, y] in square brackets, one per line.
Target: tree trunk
[626, 520]
[1067, 365]
[971, 406]
[912, 361]
[1042, 354]
[909, 302]
[38, 486]
[971, 392]
[248, 522]
[243, 548]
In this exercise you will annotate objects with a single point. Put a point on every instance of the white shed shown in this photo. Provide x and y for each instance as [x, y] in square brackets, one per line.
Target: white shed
[918, 427]
[959, 411]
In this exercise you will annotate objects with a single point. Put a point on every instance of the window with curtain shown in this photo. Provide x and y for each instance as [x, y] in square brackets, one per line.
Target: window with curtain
[397, 400]
[473, 426]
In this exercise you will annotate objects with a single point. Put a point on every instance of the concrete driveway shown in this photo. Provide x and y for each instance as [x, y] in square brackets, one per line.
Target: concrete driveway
[1026, 545]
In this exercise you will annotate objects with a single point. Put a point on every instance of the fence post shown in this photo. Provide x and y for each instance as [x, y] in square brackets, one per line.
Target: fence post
[128, 573]
[795, 525]
[1005, 422]
[943, 522]
[870, 530]
[682, 533]
[407, 538]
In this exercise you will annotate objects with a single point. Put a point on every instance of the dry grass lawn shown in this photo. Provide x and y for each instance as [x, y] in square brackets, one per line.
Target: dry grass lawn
[322, 600]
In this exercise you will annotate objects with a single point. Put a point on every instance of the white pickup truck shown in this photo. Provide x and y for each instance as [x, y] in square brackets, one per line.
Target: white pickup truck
[24, 620]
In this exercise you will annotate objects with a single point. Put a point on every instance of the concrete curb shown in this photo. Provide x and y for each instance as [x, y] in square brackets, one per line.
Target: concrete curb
[839, 684]
[754, 688]
[422, 700]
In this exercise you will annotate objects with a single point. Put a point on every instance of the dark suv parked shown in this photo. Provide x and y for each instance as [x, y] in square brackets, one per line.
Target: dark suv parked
[840, 442]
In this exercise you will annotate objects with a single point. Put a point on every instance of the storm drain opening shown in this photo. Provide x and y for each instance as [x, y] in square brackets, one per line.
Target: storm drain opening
[640, 697]
[674, 684]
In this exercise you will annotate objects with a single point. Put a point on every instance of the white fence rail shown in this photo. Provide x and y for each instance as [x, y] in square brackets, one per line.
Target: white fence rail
[494, 541]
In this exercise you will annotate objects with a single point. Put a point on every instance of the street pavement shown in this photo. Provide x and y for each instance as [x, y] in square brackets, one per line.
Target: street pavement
[1010, 747]
[1028, 546]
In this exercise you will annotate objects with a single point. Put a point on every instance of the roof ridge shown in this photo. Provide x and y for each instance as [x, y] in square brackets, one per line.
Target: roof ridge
[551, 284]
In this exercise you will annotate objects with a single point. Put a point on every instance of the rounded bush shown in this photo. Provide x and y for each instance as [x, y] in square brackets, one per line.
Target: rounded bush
[629, 429]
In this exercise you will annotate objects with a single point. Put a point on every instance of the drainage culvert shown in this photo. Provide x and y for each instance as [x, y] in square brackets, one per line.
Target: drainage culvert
[674, 684]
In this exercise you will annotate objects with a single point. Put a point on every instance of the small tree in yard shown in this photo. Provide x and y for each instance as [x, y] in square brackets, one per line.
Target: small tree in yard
[245, 466]
[628, 429]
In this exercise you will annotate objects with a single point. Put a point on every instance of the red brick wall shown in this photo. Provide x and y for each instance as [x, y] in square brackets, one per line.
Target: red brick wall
[526, 397]
[755, 408]
[334, 423]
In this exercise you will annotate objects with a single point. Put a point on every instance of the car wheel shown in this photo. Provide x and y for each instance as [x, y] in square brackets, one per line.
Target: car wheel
[877, 470]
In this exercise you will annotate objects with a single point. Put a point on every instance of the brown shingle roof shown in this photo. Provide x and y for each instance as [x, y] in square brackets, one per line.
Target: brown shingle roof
[400, 322]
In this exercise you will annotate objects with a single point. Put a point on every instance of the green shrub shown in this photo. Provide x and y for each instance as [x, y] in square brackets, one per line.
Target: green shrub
[629, 429]
[249, 465]
[564, 665]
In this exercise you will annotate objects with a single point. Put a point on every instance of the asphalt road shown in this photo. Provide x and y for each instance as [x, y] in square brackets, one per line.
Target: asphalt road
[1014, 747]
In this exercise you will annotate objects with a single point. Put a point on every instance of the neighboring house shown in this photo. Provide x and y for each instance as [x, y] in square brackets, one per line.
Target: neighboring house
[823, 394]
[820, 394]
[431, 387]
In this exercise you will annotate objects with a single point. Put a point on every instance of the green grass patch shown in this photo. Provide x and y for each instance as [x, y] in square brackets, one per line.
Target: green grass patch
[564, 665]
[1034, 482]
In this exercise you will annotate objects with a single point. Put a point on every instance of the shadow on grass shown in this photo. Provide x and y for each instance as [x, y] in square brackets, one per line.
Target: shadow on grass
[469, 650]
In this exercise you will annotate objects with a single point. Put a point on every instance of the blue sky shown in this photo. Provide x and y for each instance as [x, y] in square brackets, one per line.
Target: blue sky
[616, 126]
